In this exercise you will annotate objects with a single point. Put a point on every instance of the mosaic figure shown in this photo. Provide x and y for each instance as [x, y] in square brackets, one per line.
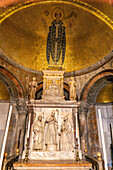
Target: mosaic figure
[56, 40]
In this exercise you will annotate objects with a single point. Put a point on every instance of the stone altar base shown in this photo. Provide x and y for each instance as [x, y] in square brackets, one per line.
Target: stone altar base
[53, 152]
[53, 165]
[52, 155]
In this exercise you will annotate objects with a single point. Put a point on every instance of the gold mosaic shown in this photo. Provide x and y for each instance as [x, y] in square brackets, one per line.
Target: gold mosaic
[24, 36]
[106, 94]
[4, 94]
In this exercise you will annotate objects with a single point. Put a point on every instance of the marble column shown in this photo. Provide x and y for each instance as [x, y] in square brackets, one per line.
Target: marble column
[29, 121]
[77, 128]
[84, 106]
[22, 111]
[92, 131]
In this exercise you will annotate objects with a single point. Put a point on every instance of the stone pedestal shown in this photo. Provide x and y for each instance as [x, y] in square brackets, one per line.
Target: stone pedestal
[51, 155]
[52, 85]
[53, 165]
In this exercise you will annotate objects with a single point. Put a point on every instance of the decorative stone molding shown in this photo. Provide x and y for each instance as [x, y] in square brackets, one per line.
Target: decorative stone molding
[13, 82]
[67, 74]
[92, 67]
[77, 3]
[10, 86]
[90, 84]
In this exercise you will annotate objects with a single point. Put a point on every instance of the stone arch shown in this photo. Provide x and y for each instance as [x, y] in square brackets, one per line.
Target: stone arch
[11, 82]
[87, 113]
[95, 84]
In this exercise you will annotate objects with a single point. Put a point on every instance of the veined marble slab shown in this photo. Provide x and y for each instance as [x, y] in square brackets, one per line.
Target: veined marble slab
[51, 155]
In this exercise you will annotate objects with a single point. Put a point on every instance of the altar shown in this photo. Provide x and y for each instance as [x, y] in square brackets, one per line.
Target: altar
[62, 145]
[52, 127]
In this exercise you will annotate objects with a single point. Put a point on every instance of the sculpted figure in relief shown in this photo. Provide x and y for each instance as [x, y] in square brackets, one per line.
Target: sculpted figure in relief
[32, 88]
[72, 85]
[51, 132]
[53, 90]
[66, 135]
[38, 134]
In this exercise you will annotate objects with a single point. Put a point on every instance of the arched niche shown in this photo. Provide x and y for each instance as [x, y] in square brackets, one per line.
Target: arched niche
[11, 83]
[4, 93]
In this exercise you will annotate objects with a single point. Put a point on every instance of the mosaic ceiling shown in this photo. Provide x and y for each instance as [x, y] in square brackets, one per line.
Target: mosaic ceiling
[4, 94]
[106, 94]
[29, 36]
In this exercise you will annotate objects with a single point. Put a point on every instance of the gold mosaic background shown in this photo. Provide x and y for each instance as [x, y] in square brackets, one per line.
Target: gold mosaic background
[4, 94]
[23, 36]
[106, 94]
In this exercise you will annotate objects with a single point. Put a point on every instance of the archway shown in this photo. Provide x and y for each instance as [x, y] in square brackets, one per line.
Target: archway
[87, 114]
[12, 84]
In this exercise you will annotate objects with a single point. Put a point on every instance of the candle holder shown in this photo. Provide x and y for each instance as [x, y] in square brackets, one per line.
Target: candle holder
[77, 151]
[99, 156]
[17, 151]
[5, 156]
[27, 151]
[85, 151]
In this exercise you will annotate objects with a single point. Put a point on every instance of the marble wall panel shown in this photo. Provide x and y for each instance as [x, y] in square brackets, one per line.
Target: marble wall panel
[3, 117]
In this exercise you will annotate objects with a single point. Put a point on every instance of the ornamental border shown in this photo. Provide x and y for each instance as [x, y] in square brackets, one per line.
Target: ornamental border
[76, 3]
[67, 74]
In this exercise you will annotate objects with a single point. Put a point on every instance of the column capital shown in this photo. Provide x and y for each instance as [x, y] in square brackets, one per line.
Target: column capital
[84, 105]
[21, 106]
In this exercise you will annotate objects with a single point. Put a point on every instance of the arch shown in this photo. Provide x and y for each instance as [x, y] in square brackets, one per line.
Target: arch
[11, 82]
[10, 86]
[4, 92]
[105, 95]
[95, 84]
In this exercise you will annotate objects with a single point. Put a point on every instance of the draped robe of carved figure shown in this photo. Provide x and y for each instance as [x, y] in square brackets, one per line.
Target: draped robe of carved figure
[66, 136]
[51, 132]
[72, 85]
[32, 88]
[38, 134]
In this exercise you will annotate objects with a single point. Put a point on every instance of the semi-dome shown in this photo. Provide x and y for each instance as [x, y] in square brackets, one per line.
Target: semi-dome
[88, 33]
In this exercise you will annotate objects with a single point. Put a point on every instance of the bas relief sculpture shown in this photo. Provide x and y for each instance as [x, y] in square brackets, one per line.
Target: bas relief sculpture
[72, 85]
[66, 135]
[53, 90]
[53, 134]
[38, 134]
[32, 88]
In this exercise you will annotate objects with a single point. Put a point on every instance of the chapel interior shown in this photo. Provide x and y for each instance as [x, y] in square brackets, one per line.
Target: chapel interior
[56, 84]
